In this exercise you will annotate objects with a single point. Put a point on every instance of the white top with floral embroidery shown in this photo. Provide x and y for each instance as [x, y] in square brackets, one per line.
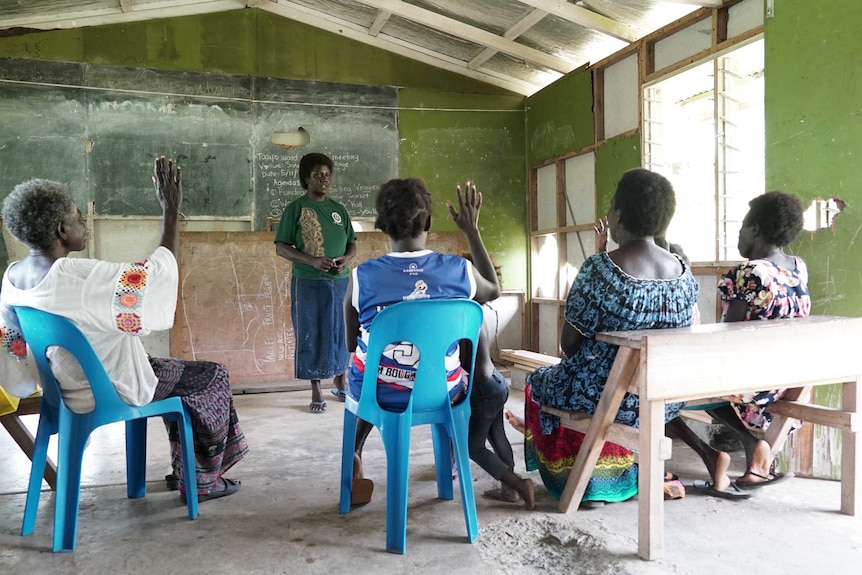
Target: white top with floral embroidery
[112, 304]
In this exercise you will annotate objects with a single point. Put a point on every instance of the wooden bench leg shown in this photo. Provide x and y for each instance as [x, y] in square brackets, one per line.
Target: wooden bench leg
[851, 451]
[622, 373]
[650, 481]
[25, 439]
[776, 435]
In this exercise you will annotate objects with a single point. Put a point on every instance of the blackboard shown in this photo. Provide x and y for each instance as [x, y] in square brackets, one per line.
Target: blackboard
[357, 127]
[234, 302]
[98, 129]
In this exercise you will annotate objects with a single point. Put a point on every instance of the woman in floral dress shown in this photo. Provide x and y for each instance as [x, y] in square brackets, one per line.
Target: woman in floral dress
[770, 285]
[638, 286]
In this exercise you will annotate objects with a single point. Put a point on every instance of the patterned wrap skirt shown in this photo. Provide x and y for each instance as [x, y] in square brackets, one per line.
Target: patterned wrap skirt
[204, 388]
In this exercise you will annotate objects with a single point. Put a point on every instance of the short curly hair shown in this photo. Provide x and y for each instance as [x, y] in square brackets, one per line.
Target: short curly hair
[403, 208]
[34, 209]
[777, 215]
[308, 162]
[646, 202]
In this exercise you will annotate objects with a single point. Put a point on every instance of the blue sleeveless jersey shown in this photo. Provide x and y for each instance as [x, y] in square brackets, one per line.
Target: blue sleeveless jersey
[395, 277]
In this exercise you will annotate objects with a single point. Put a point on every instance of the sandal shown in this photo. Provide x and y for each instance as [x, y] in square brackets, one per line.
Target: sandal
[231, 486]
[317, 407]
[340, 394]
[360, 493]
[770, 479]
[172, 482]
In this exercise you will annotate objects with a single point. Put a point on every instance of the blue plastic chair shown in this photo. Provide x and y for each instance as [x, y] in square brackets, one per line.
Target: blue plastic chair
[433, 326]
[43, 330]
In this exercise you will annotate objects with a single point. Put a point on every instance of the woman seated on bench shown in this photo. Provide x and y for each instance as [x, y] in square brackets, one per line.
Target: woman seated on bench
[770, 285]
[637, 286]
[113, 304]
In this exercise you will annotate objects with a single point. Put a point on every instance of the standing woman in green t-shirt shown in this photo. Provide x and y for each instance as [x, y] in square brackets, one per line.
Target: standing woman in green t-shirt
[315, 234]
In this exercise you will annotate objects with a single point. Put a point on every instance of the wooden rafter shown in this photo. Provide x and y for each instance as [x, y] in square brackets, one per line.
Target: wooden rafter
[521, 26]
[471, 33]
[586, 18]
[379, 22]
[116, 14]
[704, 3]
[359, 33]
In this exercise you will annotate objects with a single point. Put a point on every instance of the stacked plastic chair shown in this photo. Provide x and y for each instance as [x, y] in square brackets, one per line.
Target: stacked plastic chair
[43, 330]
[432, 326]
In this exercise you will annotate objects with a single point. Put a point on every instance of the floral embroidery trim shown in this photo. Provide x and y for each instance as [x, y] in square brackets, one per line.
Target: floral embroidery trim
[128, 296]
[12, 341]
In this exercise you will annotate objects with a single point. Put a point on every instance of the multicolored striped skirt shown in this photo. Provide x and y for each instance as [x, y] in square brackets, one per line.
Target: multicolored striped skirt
[615, 477]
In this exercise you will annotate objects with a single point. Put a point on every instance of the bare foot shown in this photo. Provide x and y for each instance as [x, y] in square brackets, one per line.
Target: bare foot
[338, 381]
[718, 470]
[316, 394]
[528, 495]
[758, 468]
[362, 489]
[515, 421]
[502, 493]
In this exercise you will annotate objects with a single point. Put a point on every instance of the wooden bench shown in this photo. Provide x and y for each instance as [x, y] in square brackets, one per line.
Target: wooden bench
[22, 436]
[529, 361]
[698, 362]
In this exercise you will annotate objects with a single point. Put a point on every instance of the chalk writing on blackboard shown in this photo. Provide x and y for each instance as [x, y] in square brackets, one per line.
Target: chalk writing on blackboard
[98, 127]
[278, 181]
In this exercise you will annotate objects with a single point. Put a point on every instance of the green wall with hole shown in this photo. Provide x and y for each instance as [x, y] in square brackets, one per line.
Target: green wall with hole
[813, 141]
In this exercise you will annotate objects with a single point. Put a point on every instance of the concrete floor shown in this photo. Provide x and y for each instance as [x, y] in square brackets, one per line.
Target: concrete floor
[285, 518]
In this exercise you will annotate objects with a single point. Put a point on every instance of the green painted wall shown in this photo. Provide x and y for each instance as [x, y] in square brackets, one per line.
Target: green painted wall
[446, 146]
[613, 158]
[813, 140]
[249, 41]
[814, 136]
[443, 147]
[560, 117]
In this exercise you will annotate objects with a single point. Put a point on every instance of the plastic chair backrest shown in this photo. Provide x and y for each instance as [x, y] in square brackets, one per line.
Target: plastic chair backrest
[44, 330]
[432, 325]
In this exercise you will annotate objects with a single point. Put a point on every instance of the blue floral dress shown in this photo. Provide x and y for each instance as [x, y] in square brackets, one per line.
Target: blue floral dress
[772, 292]
[603, 298]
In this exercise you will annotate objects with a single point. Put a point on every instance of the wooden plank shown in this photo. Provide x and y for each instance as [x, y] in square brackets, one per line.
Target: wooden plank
[708, 349]
[234, 302]
[527, 360]
[624, 370]
[22, 436]
[851, 450]
[650, 480]
[821, 415]
[624, 435]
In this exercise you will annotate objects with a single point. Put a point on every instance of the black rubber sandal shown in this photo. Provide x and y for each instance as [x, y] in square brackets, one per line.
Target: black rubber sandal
[231, 487]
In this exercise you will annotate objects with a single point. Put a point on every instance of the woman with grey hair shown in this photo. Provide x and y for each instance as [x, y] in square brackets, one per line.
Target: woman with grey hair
[113, 304]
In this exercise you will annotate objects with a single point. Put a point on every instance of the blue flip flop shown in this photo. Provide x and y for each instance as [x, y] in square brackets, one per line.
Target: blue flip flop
[317, 407]
[339, 393]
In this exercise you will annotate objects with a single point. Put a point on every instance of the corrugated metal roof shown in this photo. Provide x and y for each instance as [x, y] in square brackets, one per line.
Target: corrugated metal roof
[520, 45]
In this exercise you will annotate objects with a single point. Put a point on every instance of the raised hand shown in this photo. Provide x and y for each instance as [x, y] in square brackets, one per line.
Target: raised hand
[601, 235]
[469, 204]
[167, 179]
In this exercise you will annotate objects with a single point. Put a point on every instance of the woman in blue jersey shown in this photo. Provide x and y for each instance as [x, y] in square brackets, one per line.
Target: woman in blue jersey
[410, 271]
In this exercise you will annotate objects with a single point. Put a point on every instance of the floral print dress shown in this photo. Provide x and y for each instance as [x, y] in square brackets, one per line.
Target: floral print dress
[603, 298]
[772, 292]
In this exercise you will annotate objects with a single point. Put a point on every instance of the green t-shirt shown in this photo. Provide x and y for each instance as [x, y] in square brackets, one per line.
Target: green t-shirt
[317, 229]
